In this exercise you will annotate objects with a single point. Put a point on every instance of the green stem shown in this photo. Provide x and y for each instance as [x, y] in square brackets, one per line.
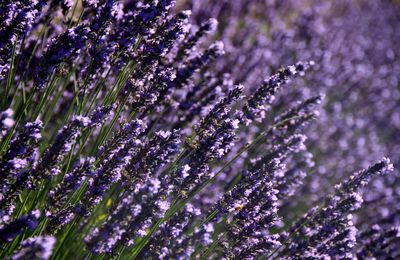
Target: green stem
[72, 14]
[10, 133]
[10, 78]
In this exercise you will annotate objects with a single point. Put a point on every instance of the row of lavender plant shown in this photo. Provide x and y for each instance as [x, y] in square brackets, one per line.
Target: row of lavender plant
[128, 132]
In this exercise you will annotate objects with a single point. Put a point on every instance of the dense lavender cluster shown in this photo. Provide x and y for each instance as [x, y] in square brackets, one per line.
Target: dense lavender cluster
[163, 129]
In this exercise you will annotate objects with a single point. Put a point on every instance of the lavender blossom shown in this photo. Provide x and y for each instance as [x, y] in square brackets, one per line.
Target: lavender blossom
[143, 186]
[65, 47]
[16, 20]
[70, 183]
[257, 105]
[186, 47]
[63, 144]
[39, 247]
[7, 121]
[21, 151]
[181, 246]
[65, 139]
[10, 230]
[214, 141]
[21, 154]
[378, 242]
[328, 220]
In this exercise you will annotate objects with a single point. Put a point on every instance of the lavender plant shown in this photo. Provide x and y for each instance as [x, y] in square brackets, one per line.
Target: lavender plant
[161, 129]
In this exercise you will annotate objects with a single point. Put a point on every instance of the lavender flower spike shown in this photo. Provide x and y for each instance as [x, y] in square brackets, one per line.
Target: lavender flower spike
[256, 106]
[40, 247]
[8, 231]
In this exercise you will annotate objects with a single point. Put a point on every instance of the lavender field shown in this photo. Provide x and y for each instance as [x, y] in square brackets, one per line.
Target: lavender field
[199, 129]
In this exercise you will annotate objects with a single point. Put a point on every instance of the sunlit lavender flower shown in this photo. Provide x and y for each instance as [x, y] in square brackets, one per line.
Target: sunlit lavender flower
[195, 63]
[144, 195]
[65, 141]
[259, 103]
[65, 47]
[378, 242]
[362, 178]
[330, 220]
[62, 145]
[70, 183]
[16, 19]
[181, 245]
[21, 154]
[216, 135]
[21, 151]
[10, 230]
[185, 48]
[39, 247]
[7, 121]
[100, 51]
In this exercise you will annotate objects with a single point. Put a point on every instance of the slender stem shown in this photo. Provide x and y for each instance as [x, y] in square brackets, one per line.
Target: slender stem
[10, 78]
[10, 133]
[72, 14]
